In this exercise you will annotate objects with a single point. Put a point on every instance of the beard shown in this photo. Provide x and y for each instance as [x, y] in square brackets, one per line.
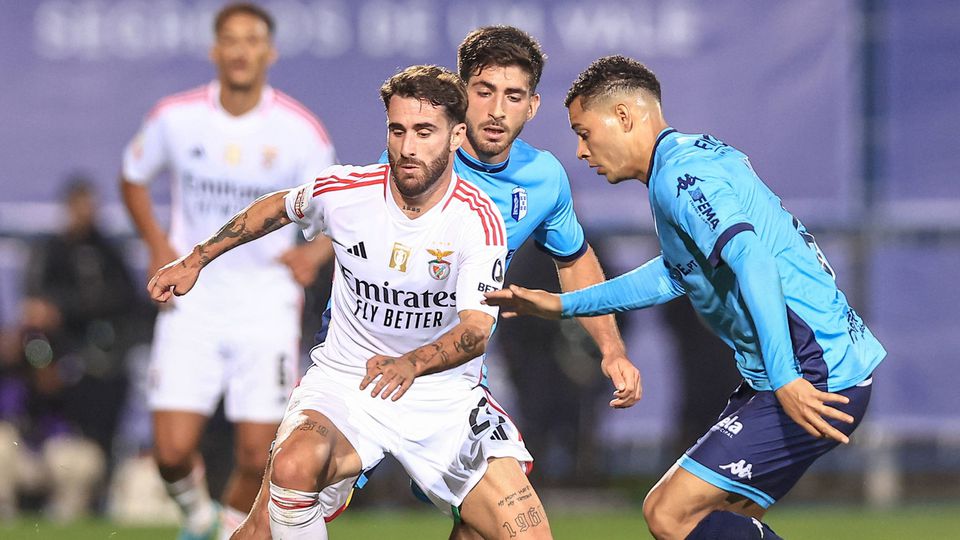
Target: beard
[416, 185]
[487, 148]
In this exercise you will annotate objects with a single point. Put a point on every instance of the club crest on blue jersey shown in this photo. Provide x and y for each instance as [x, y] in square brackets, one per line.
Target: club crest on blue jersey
[439, 268]
[518, 208]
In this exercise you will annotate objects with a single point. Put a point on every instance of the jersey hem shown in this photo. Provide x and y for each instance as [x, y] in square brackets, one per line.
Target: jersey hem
[564, 258]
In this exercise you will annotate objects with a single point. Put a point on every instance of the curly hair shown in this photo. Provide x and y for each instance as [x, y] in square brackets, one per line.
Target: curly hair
[437, 85]
[500, 46]
[609, 75]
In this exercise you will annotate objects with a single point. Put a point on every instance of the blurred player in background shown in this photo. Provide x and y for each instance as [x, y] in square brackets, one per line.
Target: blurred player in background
[237, 335]
[416, 247]
[757, 277]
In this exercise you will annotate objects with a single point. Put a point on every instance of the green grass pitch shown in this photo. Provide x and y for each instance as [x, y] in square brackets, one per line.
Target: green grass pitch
[794, 523]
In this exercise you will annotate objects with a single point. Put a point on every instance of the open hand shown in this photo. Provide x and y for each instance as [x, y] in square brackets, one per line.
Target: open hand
[808, 407]
[395, 375]
[517, 300]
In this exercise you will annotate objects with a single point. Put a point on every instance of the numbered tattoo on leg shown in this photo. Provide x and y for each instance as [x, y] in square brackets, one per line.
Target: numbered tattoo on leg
[524, 521]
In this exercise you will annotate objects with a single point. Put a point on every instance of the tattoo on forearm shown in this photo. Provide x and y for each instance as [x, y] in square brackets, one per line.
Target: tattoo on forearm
[469, 342]
[239, 229]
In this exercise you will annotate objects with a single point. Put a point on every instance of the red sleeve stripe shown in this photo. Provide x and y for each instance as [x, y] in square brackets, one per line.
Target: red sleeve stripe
[491, 227]
[489, 216]
[196, 94]
[297, 108]
[341, 187]
[325, 183]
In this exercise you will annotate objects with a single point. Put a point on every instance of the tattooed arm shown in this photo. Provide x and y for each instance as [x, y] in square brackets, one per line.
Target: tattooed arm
[465, 341]
[263, 216]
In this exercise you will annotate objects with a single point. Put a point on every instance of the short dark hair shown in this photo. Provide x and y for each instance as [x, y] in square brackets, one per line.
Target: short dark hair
[437, 85]
[500, 46]
[247, 8]
[609, 75]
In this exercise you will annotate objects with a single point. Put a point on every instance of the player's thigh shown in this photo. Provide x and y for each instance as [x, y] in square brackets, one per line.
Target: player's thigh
[681, 497]
[503, 504]
[176, 435]
[311, 451]
[252, 442]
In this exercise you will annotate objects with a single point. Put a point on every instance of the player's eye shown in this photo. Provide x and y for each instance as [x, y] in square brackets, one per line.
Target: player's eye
[514, 98]
[423, 133]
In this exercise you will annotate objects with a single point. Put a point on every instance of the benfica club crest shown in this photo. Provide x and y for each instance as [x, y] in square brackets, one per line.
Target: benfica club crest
[439, 268]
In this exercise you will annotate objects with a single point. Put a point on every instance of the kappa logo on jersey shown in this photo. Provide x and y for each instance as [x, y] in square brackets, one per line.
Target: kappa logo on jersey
[439, 268]
[399, 257]
[518, 208]
[686, 181]
[358, 250]
[741, 469]
[497, 274]
[729, 426]
[197, 152]
[704, 208]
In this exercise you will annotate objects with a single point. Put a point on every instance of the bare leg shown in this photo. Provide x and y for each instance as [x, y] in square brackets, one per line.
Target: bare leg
[504, 504]
[257, 524]
[252, 446]
[681, 500]
[176, 439]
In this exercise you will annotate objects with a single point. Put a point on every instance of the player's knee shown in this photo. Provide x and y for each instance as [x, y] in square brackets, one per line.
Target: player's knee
[251, 459]
[174, 459]
[662, 520]
[299, 466]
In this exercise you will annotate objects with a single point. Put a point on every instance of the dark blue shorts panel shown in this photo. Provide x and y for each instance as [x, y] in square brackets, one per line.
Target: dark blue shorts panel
[757, 451]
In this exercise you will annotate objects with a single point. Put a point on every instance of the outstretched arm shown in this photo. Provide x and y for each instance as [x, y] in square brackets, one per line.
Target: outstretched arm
[263, 216]
[759, 281]
[584, 272]
[641, 287]
[465, 341]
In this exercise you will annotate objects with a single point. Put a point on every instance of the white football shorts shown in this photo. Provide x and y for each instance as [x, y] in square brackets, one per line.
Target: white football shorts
[442, 439]
[253, 368]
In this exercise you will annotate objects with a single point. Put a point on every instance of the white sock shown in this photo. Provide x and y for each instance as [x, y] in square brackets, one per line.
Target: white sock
[230, 520]
[193, 498]
[295, 515]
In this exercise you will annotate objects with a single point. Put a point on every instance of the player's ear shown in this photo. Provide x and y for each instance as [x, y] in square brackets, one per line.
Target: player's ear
[457, 135]
[534, 106]
[624, 116]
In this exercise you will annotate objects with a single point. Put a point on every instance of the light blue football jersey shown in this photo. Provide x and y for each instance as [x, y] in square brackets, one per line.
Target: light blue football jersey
[702, 193]
[532, 191]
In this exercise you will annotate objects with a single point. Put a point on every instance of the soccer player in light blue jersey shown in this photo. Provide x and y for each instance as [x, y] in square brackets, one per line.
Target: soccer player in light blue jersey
[757, 277]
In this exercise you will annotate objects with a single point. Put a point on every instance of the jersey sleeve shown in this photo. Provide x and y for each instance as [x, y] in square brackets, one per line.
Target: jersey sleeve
[305, 206]
[560, 234]
[481, 265]
[147, 153]
[702, 202]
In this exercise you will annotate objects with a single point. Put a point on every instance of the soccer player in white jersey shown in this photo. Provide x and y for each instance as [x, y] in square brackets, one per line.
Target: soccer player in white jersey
[237, 335]
[416, 248]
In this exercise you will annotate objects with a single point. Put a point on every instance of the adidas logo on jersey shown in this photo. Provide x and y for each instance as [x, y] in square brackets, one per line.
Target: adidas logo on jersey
[358, 250]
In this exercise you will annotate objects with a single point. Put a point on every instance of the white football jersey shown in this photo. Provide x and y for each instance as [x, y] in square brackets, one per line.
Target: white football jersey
[219, 164]
[399, 282]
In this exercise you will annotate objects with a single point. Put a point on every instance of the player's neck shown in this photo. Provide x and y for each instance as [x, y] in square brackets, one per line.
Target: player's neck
[489, 159]
[239, 101]
[414, 207]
